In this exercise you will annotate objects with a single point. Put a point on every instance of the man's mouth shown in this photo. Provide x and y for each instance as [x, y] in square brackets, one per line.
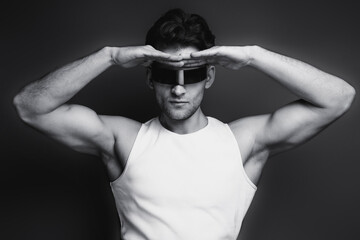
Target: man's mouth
[178, 102]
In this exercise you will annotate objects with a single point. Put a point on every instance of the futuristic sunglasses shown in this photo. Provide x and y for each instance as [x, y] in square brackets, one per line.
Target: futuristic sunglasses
[169, 76]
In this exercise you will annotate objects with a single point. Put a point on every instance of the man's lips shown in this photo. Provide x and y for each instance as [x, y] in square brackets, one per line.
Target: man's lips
[178, 102]
[172, 101]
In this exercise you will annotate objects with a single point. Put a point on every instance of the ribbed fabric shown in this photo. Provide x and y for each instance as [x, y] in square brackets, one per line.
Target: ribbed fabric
[188, 187]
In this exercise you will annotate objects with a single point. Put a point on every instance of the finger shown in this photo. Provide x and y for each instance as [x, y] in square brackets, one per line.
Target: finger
[208, 53]
[194, 63]
[201, 61]
[169, 58]
[185, 56]
[172, 64]
[176, 64]
[158, 55]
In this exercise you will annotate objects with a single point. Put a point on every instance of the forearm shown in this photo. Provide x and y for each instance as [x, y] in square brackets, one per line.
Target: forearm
[57, 87]
[311, 84]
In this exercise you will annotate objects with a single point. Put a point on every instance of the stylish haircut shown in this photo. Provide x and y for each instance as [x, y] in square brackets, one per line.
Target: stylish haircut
[177, 27]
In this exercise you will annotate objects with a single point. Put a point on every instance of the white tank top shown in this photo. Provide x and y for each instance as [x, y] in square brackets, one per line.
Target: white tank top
[188, 187]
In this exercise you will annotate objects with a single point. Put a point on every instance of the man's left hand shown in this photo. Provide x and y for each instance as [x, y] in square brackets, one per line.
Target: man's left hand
[231, 57]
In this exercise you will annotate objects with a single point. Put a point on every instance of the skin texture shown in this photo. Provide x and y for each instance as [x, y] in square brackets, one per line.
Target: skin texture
[322, 99]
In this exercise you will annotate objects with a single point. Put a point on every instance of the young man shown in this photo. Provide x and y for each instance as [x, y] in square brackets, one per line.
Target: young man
[183, 175]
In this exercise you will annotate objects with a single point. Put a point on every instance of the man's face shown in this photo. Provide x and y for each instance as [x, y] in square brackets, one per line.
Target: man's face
[179, 101]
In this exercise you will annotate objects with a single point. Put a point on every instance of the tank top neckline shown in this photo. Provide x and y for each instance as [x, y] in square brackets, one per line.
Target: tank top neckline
[197, 132]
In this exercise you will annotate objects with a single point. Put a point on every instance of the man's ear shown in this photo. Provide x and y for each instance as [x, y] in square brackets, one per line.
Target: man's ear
[149, 82]
[210, 76]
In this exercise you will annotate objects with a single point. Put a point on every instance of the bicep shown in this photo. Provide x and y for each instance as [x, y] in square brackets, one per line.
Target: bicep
[260, 137]
[77, 127]
[291, 125]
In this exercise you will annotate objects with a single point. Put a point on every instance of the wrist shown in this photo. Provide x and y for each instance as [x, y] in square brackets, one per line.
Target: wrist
[252, 53]
[110, 53]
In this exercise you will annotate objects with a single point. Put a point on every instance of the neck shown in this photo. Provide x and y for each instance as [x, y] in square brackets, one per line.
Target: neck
[185, 126]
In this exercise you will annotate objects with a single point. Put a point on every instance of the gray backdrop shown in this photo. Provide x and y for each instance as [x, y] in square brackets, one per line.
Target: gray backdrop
[51, 192]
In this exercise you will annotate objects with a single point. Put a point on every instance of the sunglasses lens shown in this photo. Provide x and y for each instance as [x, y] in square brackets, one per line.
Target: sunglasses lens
[169, 76]
[163, 75]
[195, 75]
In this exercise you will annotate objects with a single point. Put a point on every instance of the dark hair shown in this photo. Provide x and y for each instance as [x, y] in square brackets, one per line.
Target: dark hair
[176, 27]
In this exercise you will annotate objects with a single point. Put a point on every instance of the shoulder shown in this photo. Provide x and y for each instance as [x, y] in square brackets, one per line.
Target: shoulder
[124, 131]
[248, 131]
[120, 125]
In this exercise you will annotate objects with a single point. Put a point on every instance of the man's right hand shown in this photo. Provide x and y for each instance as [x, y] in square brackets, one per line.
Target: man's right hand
[142, 55]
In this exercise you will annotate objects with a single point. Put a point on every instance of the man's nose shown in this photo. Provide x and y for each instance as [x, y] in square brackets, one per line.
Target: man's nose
[178, 90]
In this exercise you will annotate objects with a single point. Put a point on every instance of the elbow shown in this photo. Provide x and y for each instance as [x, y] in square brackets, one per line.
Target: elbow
[20, 106]
[346, 99]
[349, 96]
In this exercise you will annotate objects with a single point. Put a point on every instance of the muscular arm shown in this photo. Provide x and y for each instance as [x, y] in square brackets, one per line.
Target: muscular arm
[42, 104]
[322, 99]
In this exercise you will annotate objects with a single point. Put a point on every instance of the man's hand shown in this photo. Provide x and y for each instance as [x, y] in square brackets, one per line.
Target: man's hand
[231, 57]
[142, 55]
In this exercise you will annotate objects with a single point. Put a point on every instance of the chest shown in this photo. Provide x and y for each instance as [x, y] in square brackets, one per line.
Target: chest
[198, 172]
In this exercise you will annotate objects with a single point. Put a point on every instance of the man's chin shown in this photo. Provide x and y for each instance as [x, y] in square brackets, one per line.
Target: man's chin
[178, 115]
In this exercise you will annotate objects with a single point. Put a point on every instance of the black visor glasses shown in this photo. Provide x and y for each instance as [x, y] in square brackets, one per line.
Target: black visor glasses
[169, 76]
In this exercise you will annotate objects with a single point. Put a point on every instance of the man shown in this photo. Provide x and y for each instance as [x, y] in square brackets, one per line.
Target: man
[183, 175]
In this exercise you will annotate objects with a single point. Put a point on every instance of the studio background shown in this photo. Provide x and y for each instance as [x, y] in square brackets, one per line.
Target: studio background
[51, 192]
